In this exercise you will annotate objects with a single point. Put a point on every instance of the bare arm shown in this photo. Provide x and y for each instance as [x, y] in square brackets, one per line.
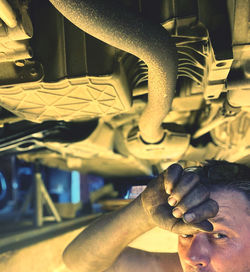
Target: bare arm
[97, 247]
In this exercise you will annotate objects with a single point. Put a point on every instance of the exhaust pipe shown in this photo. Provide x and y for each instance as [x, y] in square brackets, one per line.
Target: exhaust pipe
[120, 27]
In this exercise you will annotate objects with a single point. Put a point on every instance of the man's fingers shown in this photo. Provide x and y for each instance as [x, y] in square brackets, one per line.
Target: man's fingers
[207, 209]
[186, 183]
[182, 228]
[194, 198]
[172, 176]
[204, 226]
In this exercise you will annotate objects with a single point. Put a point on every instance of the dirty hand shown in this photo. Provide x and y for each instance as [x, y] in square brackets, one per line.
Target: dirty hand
[177, 201]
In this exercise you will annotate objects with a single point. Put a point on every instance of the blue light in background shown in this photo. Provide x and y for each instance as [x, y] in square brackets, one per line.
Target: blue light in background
[3, 186]
[127, 194]
[75, 187]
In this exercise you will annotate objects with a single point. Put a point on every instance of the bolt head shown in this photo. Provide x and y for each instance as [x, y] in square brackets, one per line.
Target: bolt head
[20, 63]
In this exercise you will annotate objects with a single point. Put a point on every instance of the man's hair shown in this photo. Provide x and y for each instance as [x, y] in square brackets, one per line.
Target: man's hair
[219, 175]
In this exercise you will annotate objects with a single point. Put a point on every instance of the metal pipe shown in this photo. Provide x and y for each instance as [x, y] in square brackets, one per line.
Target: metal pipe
[120, 27]
[7, 14]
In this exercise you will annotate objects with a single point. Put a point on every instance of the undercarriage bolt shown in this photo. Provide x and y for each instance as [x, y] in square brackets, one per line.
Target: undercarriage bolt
[20, 63]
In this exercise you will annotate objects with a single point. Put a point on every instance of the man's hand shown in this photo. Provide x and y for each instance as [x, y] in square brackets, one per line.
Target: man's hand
[177, 201]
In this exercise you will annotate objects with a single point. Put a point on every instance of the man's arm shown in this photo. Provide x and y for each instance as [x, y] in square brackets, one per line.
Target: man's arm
[97, 247]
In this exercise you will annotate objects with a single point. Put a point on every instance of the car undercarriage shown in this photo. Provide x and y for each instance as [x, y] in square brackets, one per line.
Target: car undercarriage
[128, 88]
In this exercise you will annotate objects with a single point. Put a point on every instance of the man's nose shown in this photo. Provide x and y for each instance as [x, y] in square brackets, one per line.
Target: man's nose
[198, 253]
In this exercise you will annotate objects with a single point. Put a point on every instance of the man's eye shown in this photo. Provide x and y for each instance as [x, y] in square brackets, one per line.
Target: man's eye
[186, 235]
[219, 236]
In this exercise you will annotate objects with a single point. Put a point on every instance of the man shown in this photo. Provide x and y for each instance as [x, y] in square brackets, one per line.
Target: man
[208, 207]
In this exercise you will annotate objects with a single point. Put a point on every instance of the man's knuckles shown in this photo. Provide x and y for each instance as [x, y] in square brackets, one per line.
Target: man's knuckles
[185, 185]
[194, 198]
[206, 210]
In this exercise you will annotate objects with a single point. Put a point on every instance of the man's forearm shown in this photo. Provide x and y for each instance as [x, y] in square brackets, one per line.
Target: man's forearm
[97, 247]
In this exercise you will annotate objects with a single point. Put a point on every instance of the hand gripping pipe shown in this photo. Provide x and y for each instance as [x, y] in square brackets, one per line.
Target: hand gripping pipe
[120, 27]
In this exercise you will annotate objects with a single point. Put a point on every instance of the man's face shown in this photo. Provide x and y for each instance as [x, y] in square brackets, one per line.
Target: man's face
[227, 248]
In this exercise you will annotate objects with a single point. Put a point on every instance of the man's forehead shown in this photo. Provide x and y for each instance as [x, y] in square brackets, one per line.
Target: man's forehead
[229, 200]
[222, 220]
[224, 217]
[232, 208]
